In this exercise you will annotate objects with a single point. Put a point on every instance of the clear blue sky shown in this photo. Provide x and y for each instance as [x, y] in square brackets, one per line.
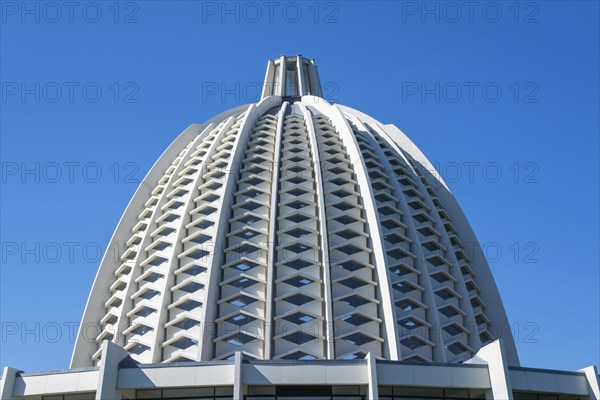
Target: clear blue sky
[92, 95]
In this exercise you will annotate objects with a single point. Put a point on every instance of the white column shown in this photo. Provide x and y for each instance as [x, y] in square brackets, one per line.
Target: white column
[593, 381]
[238, 387]
[324, 240]
[272, 233]
[7, 384]
[495, 357]
[372, 390]
[112, 355]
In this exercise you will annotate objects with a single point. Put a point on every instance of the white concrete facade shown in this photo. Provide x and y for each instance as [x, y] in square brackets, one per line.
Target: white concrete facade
[293, 243]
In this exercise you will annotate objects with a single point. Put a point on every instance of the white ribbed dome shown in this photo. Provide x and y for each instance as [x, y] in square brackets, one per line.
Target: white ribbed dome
[293, 229]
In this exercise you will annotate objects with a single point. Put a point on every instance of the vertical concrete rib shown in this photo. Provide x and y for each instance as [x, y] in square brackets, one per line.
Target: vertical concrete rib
[254, 112]
[272, 233]
[433, 316]
[408, 221]
[131, 284]
[182, 231]
[345, 131]
[173, 260]
[324, 245]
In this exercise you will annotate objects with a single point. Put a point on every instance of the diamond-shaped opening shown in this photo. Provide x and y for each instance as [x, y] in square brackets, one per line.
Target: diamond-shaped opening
[249, 219]
[256, 170]
[345, 219]
[205, 224]
[338, 181]
[252, 193]
[186, 323]
[139, 349]
[251, 206]
[192, 287]
[189, 305]
[353, 283]
[161, 246]
[297, 180]
[296, 159]
[344, 206]
[444, 294]
[409, 323]
[351, 265]
[201, 239]
[144, 312]
[347, 234]
[341, 193]
[254, 181]
[297, 204]
[403, 287]
[199, 254]
[141, 330]
[299, 337]
[299, 281]
[299, 356]
[241, 319]
[297, 192]
[356, 319]
[399, 270]
[412, 343]
[378, 186]
[453, 330]
[485, 337]
[210, 198]
[184, 343]
[241, 301]
[393, 238]
[157, 261]
[390, 224]
[356, 356]
[246, 249]
[298, 299]
[383, 197]
[358, 339]
[295, 167]
[298, 264]
[387, 210]
[207, 210]
[195, 270]
[450, 312]
[456, 348]
[349, 249]
[240, 339]
[245, 265]
[247, 234]
[397, 254]
[407, 305]
[153, 277]
[148, 294]
[171, 217]
[297, 218]
[441, 278]
[243, 283]
[166, 231]
[299, 318]
[354, 300]
[214, 186]
[436, 261]
[298, 232]
[298, 248]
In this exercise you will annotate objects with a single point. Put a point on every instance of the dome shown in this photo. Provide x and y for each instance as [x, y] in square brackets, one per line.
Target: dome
[293, 229]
